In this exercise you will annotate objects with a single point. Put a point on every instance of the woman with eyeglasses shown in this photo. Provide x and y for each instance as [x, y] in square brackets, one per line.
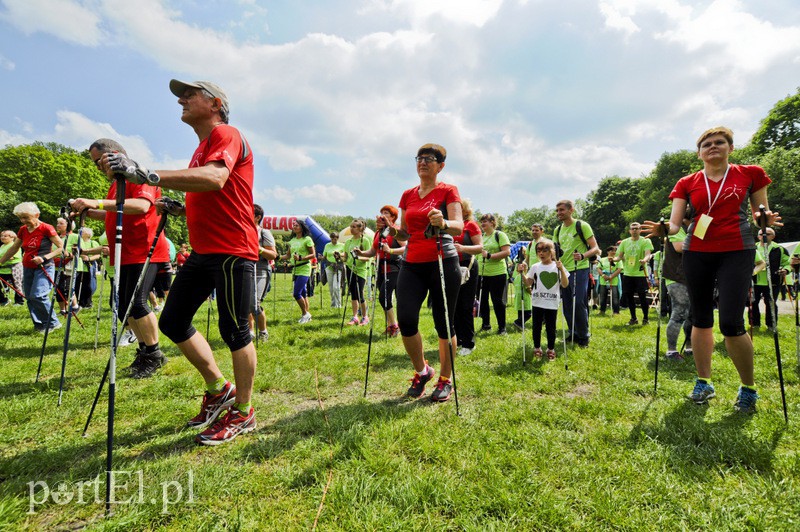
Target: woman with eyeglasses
[468, 244]
[301, 251]
[719, 250]
[389, 249]
[356, 272]
[334, 268]
[494, 275]
[430, 215]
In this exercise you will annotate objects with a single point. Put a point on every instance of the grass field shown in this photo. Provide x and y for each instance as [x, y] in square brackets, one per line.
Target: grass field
[535, 448]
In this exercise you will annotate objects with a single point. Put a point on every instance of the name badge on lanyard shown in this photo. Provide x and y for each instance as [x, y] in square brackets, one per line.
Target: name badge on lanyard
[704, 222]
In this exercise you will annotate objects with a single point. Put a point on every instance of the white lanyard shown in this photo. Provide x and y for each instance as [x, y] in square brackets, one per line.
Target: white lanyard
[708, 189]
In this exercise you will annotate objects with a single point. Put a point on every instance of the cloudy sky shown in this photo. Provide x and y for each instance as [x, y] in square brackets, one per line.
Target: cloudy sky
[534, 100]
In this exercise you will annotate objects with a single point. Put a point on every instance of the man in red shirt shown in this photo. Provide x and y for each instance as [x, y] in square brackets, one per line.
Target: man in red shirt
[138, 231]
[219, 216]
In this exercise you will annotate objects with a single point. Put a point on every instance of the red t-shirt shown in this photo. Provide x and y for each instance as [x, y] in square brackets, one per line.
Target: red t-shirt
[35, 243]
[415, 210]
[472, 229]
[730, 229]
[138, 230]
[221, 221]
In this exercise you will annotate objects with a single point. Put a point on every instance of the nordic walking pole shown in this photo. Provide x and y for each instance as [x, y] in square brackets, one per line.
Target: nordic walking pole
[73, 313]
[371, 328]
[112, 361]
[99, 306]
[660, 295]
[750, 309]
[118, 334]
[520, 274]
[763, 222]
[446, 314]
[574, 296]
[82, 218]
[560, 302]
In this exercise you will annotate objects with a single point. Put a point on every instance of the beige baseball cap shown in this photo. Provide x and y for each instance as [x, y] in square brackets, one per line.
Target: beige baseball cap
[178, 88]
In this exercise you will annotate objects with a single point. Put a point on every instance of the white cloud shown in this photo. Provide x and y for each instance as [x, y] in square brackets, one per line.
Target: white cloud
[615, 20]
[6, 64]
[67, 20]
[317, 194]
[468, 12]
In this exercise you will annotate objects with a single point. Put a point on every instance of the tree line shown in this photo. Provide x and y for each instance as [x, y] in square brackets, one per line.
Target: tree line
[50, 173]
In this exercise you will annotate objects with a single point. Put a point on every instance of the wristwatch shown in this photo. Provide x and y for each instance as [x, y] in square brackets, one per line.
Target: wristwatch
[152, 178]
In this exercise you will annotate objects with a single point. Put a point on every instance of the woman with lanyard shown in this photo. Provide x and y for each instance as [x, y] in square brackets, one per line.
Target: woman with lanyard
[357, 271]
[496, 247]
[719, 251]
[40, 244]
[388, 248]
[334, 259]
[468, 244]
[430, 216]
[301, 251]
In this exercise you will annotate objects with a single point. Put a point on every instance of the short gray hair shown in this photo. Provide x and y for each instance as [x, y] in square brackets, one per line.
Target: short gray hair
[26, 207]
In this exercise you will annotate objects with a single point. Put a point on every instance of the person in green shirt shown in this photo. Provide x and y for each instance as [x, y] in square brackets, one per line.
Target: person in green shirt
[7, 239]
[334, 268]
[633, 255]
[301, 251]
[356, 273]
[779, 263]
[86, 270]
[577, 248]
[608, 281]
[494, 275]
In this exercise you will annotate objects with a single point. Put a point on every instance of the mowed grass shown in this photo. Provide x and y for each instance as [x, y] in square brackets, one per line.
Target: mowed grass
[535, 447]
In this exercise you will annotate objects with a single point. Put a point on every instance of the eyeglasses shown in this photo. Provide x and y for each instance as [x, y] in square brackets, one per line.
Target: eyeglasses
[426, 159]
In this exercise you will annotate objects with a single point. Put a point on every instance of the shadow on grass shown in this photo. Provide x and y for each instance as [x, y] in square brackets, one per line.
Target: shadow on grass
[694, 442]
[349, 425]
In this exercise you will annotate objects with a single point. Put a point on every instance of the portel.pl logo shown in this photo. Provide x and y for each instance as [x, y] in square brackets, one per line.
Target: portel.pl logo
[125, 487]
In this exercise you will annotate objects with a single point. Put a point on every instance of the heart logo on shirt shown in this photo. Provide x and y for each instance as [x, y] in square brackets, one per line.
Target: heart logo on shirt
[549, 279]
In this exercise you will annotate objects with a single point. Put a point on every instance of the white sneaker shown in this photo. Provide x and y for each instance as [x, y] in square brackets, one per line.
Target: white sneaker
[263, 336]
[128, 338]
[463, 351]
[305, 319]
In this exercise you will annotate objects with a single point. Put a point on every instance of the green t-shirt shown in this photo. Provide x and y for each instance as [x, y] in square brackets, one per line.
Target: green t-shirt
[632, 251]
[761, 277]
[567, 237]
[330, 249]
[301, 246]
[87, 244]
[69, 247]
[103, 241]
[358, 266]
[493, 244]
[16, 258]
[604, 266]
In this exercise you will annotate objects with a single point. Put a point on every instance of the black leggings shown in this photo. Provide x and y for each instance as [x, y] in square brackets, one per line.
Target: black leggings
[356, 286]
[494, 285]
[128, 275]
[730, 271]
[465, 322]
[548, 317]
[234, 280]
[386, 289]
[418, 279]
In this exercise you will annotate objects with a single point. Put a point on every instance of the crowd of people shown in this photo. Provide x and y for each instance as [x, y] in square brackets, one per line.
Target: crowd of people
[428, 247]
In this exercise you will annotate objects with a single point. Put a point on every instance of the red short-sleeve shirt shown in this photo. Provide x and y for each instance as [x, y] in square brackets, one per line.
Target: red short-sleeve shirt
[221, 221]
[472, 229]
[138, 230]
[730, 229]
[415, 210]
[35, 243]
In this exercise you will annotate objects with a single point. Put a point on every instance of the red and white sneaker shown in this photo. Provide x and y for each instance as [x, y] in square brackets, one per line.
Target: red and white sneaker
[213, 405]
[353, 321]
[228, 427]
